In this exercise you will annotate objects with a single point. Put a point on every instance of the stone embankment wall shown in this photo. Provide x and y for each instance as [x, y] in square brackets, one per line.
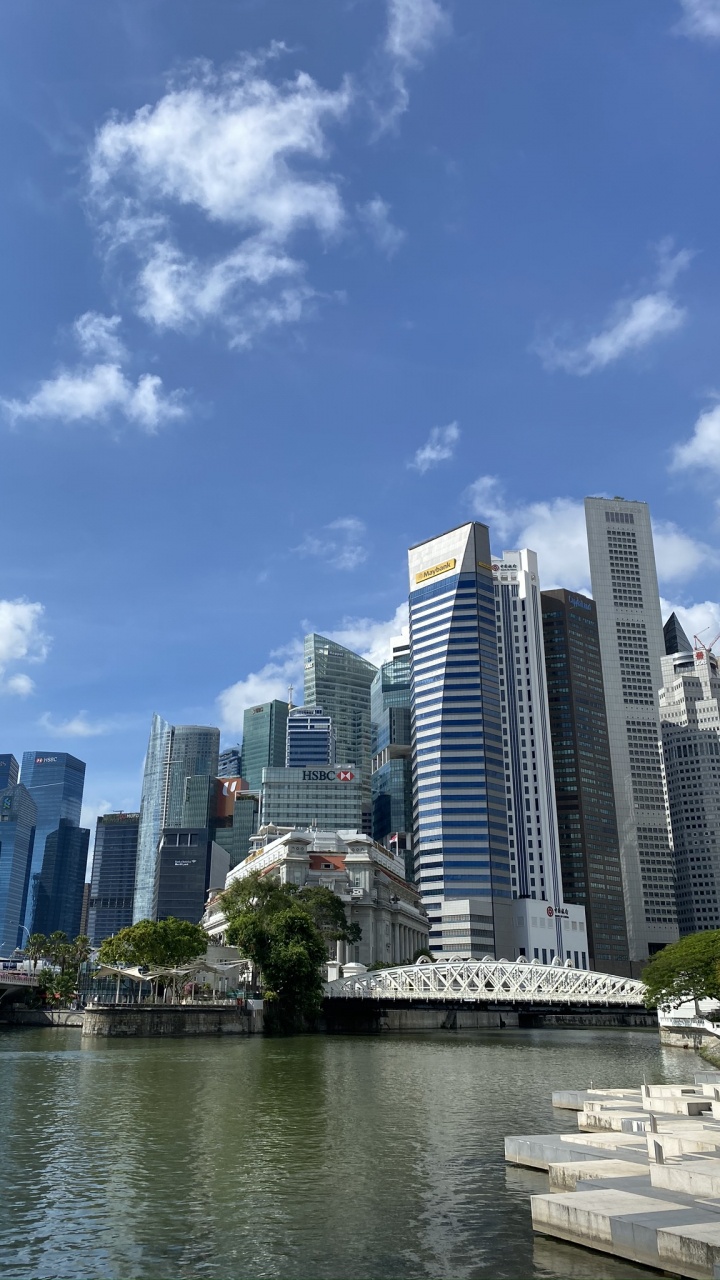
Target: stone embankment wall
[341, 1015]
[171, 1020]
[21, 1017]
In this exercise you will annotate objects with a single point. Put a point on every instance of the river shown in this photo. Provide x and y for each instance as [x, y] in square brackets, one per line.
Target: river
[318, 1156]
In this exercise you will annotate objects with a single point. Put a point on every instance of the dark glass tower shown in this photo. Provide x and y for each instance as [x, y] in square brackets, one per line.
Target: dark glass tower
[8, 771]
[339, 681]
[62, 880]
[55, 781]
[587, 824]
[113, 875]
[17, 832]
[264, 740]
[391, 780]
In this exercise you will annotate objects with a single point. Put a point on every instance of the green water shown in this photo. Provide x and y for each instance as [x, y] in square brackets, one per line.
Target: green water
[310, 1157]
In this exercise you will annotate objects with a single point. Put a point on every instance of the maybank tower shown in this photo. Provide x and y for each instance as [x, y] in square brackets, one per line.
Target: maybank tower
[460, 823]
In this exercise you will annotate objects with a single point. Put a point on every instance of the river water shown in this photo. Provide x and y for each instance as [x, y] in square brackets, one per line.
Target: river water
[317, 1156]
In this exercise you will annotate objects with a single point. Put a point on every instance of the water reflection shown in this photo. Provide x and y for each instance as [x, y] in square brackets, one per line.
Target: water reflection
[317, 1156]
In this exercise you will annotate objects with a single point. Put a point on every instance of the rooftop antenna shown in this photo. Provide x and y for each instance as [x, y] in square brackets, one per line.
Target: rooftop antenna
[290, 694]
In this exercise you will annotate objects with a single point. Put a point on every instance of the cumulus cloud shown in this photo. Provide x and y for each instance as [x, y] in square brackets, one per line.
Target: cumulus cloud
[439, 446]
[555, 529]
[20, 684]
[702, 450]
[702, 620]
[376, 216]
[700, 19]
[340, 544]
[78, 726]
[372, 639]
[634, 323]
[241, 153]
[100, 391]
[22, 639]
[414, 27]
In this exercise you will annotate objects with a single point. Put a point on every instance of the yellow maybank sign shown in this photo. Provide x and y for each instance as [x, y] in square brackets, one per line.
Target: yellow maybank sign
[436, 569]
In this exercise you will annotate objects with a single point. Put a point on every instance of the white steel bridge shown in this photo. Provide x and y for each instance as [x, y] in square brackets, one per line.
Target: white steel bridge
[489, 982]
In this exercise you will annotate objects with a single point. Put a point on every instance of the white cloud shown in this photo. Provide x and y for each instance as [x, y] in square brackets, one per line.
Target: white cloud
[555, 529]
[240, 152]
[21, 684]
[341, 544]
[702, 619]
[95, 392]
[376, 216]
[97, 335]
[91, 810]
[439, 446]
[413, 29]
[21, 634]
[372, 639]
[703, 448]
[701, 19]
[633, 323]
[77, 726]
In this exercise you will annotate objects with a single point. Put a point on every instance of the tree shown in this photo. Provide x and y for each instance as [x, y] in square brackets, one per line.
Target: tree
[36, 948]
[79, 952]
[155, 944]
[328, 913]
[56, 987]
[58, 949]
[275, 929]
[685, 970]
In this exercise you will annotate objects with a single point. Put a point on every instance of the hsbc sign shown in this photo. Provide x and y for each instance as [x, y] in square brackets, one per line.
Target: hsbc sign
[327, 775]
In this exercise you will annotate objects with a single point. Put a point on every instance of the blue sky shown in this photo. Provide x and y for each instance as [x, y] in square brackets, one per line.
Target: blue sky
[289, 287]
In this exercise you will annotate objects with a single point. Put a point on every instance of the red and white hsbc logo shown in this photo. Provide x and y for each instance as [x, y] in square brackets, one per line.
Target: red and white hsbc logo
[345, 775]
[328, 775]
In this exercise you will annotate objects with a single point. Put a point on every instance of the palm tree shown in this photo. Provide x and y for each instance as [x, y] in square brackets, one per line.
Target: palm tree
[36, 947]
[80, 949]
[59, 949]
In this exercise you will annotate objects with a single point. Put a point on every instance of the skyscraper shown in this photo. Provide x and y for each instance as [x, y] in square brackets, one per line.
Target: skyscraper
[17, 832]
[310, 737]
[460, 815]
[55, 781]
[625, 589]
[391, 742]
[339, 681]
[690, 718]
[264, 740]
[329, 799]
[175, 753]
[587, 823]
[229, 763]
[8, 771]
[113, 875]
[61, 883]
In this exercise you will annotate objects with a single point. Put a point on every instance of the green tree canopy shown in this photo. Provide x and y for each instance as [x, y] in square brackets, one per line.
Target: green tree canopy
[328, 913]
[276, 930]
[159, 944]
[685, 970]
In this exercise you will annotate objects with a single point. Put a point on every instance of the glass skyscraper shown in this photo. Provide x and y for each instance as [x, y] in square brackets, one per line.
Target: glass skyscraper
[264, 740]
[391, 780]
[175, 753]
[113, 875]
[339, 681]
[17, 832]
[55, 781]
[62, 880]
[460, 816]
[310, 737]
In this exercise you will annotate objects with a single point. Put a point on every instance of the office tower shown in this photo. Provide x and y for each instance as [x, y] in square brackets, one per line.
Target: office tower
[330, 799]
[690, 721]
[310, 738]
[175, 753]
[674, 637]
[61, 883]
[229, 763]
[112, 882]
[460, 816]
[624, 586]
[189, 865]
[8, 772]
[391, 744]
[264, 740]
[85, 911]
[559, 929]
[587, 824]
[339, 681]
[235, 817]
[55, 782]
[17, 833]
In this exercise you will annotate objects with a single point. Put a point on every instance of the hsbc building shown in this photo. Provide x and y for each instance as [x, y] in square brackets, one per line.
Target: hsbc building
[328, 798]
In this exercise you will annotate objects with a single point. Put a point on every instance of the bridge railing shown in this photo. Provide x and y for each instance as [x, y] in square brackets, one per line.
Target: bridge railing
[480, 981]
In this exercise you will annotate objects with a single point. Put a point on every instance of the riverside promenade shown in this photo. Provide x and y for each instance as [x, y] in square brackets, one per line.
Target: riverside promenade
[638, 1177]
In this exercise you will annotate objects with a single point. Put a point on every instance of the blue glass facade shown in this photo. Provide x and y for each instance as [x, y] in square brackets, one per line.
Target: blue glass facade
[113, 875]
[391, 733]
[310, 738]
[264, 740]
[62, 880]
[17, 832]
[55, 781]
[460, 817]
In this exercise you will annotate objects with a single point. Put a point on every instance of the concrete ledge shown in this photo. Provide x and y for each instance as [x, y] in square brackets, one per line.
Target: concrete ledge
[170, 1020]
[19, 1017]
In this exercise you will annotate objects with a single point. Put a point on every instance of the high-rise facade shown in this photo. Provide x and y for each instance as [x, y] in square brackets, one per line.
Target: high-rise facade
[460, 815]
[61, 883]
[229, 763]
[391, 743]
[17, 833]
[587, 823]
[339, 681]
[175, 753]
[327, 798]
[625, 589]
[8, 771]
[264, 740]
[690, 718]
[112, 883]
[310, 738]
[55, 780]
